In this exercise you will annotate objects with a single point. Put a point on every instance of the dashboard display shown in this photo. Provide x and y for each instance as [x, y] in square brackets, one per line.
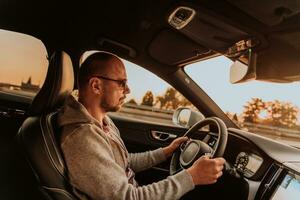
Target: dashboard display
[289, 188]
[248, 164]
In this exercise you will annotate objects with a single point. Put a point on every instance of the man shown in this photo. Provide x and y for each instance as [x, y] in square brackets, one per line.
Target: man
[99, 166]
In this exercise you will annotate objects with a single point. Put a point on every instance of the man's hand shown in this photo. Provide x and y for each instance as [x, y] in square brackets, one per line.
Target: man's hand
[168, 150]
[206, 171]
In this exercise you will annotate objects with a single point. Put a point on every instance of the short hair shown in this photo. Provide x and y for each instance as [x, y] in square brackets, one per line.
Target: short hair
[89, 67]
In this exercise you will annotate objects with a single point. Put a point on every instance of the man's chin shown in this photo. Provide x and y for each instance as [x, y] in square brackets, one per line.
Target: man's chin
[118, 108]
[115, 109]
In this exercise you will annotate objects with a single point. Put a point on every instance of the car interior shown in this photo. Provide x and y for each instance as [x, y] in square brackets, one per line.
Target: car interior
[162, 37]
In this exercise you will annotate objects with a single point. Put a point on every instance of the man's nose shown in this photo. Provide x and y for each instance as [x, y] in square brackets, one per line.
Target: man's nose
[127, 89]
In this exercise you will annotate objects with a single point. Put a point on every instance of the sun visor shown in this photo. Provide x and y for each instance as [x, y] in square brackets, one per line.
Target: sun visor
[167, 42]
[281, 62]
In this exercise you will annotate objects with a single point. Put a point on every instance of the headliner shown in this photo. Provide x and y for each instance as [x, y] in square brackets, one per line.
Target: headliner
[138, 30]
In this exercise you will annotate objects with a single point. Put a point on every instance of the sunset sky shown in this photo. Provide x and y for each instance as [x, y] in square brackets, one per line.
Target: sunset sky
[21, 56]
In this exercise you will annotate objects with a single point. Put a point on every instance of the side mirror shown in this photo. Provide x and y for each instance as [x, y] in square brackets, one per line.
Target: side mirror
[185, 117]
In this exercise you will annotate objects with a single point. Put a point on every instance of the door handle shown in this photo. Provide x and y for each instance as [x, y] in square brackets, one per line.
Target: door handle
[162, 136]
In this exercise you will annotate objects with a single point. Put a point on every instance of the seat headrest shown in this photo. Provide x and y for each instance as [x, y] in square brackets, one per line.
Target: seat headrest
[58, 85]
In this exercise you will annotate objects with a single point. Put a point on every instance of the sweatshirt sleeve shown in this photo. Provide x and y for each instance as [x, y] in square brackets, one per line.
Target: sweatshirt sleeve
[93, 171]
[142, 161]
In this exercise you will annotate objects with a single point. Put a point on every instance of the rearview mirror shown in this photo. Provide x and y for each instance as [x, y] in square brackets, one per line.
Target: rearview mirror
[244, 69]
[185, 117]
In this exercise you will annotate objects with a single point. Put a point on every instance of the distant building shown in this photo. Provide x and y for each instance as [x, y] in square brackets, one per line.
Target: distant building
[28, 86]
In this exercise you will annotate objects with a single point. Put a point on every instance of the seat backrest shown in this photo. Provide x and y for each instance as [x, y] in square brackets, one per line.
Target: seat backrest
[39, 134]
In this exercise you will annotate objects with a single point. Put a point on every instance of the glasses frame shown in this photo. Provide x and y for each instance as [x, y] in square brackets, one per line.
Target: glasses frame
[121, 83]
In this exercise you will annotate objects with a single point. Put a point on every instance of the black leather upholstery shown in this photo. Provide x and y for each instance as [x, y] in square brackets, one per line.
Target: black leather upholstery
[39, 133]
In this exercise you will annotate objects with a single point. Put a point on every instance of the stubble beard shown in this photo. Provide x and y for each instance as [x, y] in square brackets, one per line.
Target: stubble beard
[109, 108]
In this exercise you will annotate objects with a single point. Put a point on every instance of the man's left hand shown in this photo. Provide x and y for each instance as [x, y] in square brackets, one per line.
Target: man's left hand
[168, 150]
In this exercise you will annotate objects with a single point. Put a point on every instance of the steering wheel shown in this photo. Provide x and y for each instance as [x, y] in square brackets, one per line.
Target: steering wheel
[190, 151]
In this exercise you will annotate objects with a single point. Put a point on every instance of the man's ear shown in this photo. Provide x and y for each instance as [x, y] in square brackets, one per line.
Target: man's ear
[95, 85]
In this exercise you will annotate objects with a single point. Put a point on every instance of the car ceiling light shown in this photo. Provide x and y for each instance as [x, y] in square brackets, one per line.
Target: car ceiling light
[181, 16]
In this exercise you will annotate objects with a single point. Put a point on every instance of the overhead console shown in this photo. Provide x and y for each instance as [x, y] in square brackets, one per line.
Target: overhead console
[205, 28]
[197, 33]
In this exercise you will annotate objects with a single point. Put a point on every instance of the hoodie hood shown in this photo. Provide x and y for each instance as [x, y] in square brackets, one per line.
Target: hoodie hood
[73, 112]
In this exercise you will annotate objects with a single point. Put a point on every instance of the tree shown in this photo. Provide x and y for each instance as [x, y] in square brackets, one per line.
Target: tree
[148, 99]
[171, 100]
[131, 101]
[252, 110]
[282, 113]
[279, 113]
[184, 102]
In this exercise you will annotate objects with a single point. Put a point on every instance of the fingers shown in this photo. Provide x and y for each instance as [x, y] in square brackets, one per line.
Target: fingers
[220, 161]
[181, 140]
[206, 170]
[168, 151]
[215, 165]
[178, 141]
[215, 177]
[219, 174]
[220, 168]
[205, 157]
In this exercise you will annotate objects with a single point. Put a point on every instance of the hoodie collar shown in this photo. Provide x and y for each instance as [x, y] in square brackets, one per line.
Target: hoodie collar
[73, 112]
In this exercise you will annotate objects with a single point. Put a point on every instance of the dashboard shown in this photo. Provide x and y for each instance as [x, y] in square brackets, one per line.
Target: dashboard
[244, 157]
[259, 167]
[274, 168]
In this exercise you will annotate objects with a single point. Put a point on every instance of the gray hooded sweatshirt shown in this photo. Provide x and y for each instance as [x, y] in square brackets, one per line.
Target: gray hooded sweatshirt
[99, 166]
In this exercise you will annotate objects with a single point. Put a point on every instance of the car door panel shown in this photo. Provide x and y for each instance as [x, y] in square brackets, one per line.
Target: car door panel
[138, 135]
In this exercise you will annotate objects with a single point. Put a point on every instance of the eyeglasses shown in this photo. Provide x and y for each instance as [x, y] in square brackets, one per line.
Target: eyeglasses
[121, 83]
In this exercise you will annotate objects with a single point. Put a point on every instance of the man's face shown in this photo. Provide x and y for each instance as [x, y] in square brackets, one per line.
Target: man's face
[116, 89]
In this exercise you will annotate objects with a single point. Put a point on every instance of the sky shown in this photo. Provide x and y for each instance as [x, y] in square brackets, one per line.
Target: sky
[22, 56]
[213, 77]
[141, 80]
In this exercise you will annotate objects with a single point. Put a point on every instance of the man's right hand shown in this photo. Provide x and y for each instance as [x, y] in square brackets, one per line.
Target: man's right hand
[206, 171]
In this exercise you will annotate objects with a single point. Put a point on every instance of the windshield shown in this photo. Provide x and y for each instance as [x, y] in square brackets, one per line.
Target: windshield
[268, 109]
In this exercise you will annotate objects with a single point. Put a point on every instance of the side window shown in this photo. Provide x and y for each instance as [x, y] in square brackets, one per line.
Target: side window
[151, 98]
[23, 64]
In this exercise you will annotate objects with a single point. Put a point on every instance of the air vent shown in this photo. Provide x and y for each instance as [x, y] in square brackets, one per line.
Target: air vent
[269, 179]
[181, 16]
